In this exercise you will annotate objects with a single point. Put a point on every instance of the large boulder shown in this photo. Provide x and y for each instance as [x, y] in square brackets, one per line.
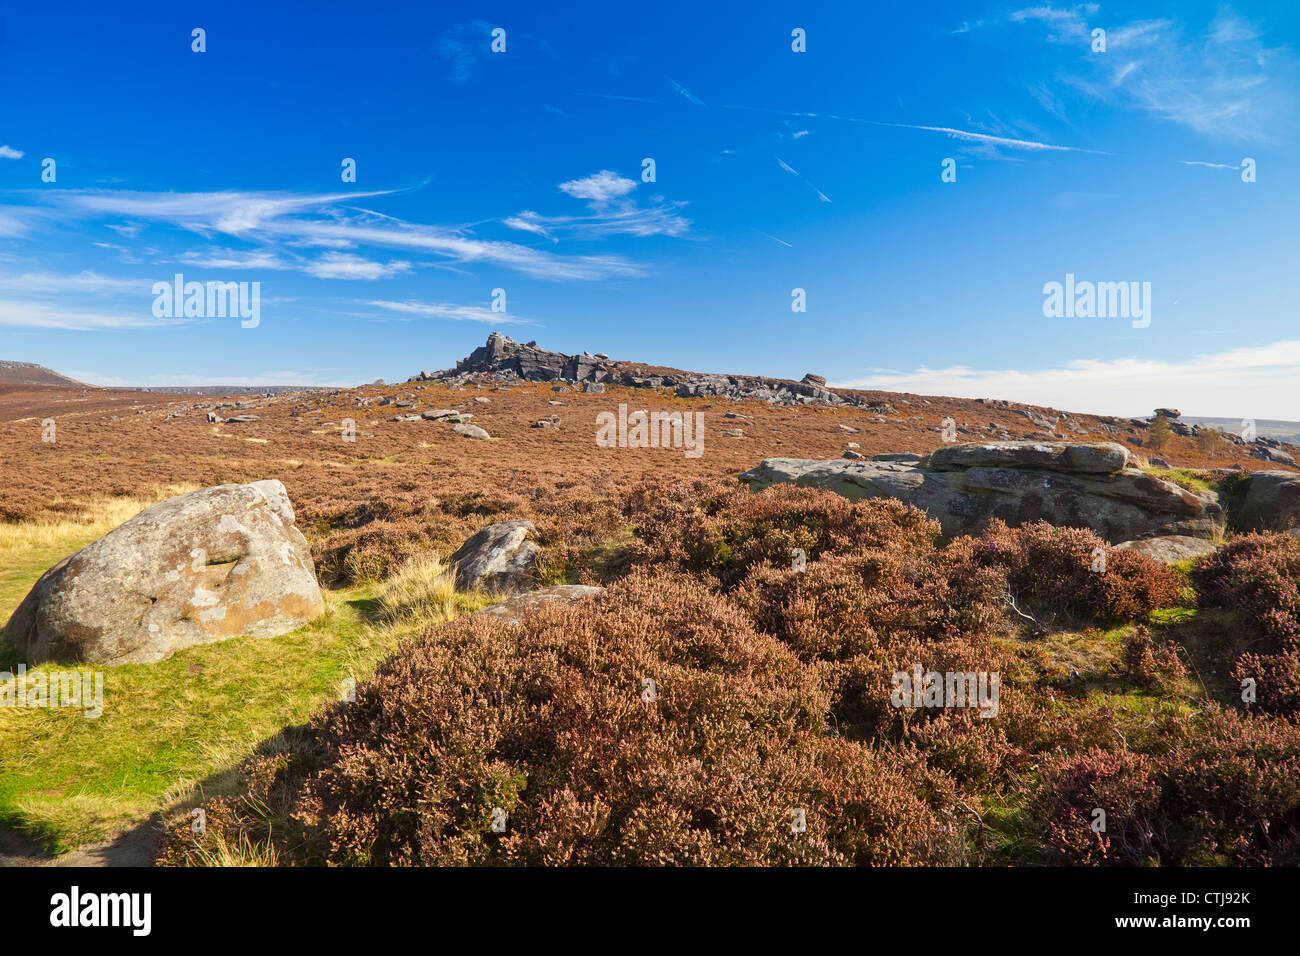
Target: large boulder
[499, 558]
[201, 567]
[1120, 506]
[1271, 503]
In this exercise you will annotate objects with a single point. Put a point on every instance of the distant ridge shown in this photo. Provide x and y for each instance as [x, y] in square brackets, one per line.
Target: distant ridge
[29, 373]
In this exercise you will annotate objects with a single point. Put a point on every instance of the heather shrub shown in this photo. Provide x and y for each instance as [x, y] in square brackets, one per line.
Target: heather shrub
[1226, 791]
[548, 721]
[1122, 784]
[1233, 786]
[723, 531]
[1155, 666]
[1259, 576]
[1276, 677]
[866, 616]
[1050, 570]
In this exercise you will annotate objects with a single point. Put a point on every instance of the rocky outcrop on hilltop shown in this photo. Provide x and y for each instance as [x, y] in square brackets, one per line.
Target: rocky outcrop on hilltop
[965, 486]
[205, 566]
[502, 359]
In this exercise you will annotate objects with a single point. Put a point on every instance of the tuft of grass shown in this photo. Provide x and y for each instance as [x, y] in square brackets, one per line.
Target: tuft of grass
[422, 593]
[242, 852]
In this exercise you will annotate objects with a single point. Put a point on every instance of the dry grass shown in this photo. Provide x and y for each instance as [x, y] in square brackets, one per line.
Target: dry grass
[92, 519]
[423, 592]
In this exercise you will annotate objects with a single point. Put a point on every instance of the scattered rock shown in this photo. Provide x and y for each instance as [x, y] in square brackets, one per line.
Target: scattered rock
[499, 558]
[1170, 548]
[201, 567]
[1265, 453]
[470, 431]
[850, 453]
[513, 609]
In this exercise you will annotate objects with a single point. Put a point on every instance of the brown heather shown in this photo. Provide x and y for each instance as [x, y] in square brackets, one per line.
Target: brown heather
[773, 684]
[546, 721]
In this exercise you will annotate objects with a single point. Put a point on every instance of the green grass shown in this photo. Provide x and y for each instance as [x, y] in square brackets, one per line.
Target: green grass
[177, 728]
[1190, 478]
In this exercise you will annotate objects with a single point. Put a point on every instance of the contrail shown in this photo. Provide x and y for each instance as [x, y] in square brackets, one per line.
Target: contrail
[946, 130]
[686, 93]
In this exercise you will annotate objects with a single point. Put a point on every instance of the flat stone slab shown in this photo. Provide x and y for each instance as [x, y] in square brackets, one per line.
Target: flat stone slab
[1172, 548]
[520, 605]
[1120, 507]
[1067, 457]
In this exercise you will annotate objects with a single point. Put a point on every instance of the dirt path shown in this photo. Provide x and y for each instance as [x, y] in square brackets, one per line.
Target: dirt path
[135, 847]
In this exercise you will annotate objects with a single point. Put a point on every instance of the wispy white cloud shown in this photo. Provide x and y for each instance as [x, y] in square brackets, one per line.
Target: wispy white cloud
[1064, 24]
[275, 220]
[614, 211]
[613, 96]
[599, 187]
[346, 265]
[1225, 81]
[627, 219]
[228, 259]
[83, 282]
[11, 227]
[465, 48]
[8, 152]
[1250, 381]
[1195, 162]
[46, 315]
[443, 310]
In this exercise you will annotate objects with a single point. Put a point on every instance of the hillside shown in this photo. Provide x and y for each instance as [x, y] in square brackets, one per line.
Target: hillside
[29, 373]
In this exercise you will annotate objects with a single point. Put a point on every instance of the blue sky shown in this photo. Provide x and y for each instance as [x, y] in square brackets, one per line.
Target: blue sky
[774, 170]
